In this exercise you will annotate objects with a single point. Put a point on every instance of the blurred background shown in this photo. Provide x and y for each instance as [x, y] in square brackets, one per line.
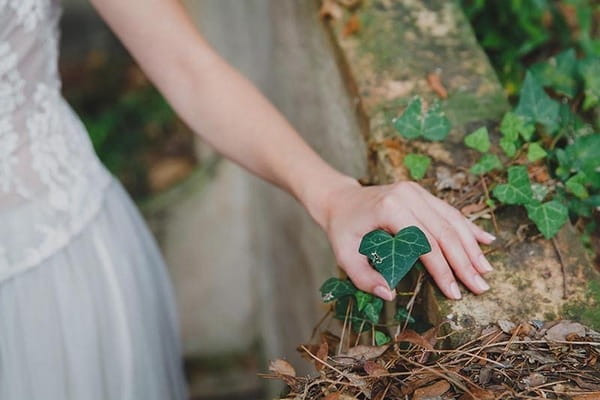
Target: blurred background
[204, 210]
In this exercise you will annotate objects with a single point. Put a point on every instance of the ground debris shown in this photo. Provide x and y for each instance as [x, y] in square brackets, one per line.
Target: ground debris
[555, 360]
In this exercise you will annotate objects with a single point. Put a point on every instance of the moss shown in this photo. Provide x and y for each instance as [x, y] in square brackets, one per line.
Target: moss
[465, 107]
[587, 312]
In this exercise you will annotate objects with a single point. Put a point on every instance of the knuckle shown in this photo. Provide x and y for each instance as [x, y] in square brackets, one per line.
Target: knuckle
[387, 203]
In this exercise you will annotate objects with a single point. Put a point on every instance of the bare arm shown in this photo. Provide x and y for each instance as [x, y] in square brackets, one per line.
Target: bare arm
[231, 114]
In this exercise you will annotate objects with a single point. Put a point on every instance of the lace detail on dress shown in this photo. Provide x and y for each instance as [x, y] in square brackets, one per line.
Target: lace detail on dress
[51, 182]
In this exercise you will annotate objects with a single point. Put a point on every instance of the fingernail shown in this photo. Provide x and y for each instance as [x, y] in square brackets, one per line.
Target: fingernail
[455, 291]
[384, 293]
[485, 264]
[480, 283]
[490, 237]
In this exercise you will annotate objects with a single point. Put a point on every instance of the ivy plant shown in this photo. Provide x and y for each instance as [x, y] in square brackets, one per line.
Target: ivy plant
[393, 256]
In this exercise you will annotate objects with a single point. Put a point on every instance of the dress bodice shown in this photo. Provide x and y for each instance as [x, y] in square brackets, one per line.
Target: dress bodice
[51, 182]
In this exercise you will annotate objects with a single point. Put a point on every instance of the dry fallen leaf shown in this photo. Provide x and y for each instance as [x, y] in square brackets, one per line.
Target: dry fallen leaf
[506, 326]
[534, 379]
[366, 352]
[413, 337]
[330, 9]
[352, 26]
[587, 396]
[282, 367]
[434, 390]
[563, 330]
[445, 179]
[374, 369]
[435, 83]
[322, 355]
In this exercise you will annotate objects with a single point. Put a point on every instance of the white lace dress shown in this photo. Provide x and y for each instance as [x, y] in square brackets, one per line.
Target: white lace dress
[86, 309]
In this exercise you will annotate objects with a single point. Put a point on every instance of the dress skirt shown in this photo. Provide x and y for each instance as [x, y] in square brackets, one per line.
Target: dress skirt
[95, 320]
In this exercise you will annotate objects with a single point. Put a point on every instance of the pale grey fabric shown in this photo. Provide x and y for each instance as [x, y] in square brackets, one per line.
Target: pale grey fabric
[86, 309]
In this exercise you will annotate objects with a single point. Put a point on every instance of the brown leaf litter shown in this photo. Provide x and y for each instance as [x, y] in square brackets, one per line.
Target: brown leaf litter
[529, 360]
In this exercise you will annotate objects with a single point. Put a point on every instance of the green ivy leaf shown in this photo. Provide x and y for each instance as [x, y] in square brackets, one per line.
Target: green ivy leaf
[559, 73]
[381, 338]
[417, 165]
[373, 310]
[513, 125]
[394, 256]
[362, 299]
[335, 288]
[433, 125]
[518, 188]
[479, 140]
[584, 156]
[549, 217]
[409, 124]
[535, 152]
[589, 68]
[486, 163]
[508, 146]
[535, 105]
[576, 185]
[403, 315]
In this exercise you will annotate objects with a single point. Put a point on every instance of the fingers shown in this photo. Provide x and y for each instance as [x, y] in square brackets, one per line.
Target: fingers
[468, 233]
[364, 277]
[448, 239]
[481, 235]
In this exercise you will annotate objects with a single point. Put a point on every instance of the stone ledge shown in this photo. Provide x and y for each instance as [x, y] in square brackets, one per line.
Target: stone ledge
[386, 62]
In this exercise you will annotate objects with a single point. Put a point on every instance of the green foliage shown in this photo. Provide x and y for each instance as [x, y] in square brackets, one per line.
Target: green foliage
[535, 152]
[589, 69]
[549, 217]
[335, 289]
[514, 32]
[431, 125]
[487, 163]
[402, 315]
[394, 256]
[518, 188]
[479, 140]
[417, 165]
[536, 106]
[381, 338]
[558, 73]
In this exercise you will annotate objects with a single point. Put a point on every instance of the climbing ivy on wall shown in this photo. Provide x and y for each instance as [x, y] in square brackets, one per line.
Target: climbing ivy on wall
[545, 128]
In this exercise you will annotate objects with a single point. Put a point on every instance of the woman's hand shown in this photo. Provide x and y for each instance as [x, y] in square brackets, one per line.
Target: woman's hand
[352, 211]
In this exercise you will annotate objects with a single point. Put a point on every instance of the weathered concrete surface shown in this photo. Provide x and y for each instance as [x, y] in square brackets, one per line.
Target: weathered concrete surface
[387, 62]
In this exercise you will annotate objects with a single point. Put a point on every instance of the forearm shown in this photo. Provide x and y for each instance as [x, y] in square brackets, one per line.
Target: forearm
[217, 102]
[235, 118]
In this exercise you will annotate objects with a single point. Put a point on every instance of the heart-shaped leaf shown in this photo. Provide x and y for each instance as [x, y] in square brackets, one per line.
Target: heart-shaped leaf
[518, 188]
[409, 124]
[417, 165]
[486, 163]
[362, 299]
[549, 217]
[334, 289]
[373, 310]
[381, 338]
[558, 72]
[479, 140]
[433, 125]
[394, 256]
[536, 105]
[513, 125]
[535, 152]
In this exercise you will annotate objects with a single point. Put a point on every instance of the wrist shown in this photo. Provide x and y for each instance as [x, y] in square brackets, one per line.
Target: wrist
[320, 196]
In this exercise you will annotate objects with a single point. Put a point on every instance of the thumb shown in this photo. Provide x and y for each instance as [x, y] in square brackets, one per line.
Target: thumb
[366, 278]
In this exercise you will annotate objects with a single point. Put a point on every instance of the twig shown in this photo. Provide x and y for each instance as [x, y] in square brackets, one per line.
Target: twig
[562, 267]
[487, 196]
